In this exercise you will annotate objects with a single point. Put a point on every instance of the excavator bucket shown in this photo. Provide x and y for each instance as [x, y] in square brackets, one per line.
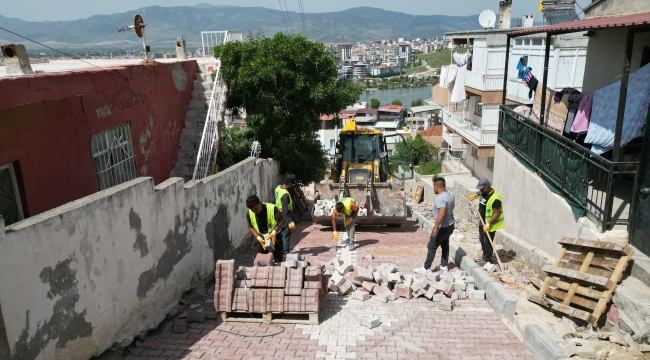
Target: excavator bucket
[385, 202]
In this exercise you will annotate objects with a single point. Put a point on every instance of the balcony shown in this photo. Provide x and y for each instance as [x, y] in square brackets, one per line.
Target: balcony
[601, 188]
[484, 82]
[479, 137]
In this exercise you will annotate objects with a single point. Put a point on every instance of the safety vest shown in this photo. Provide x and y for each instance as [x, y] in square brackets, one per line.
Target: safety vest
[347, 202]
[489, 211]
[270, 219]
[279, 193]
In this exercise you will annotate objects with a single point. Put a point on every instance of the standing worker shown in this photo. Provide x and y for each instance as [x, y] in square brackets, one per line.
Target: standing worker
[284, 202]
[349, 208]
[264, 222]
[491, 211]
[443, 212]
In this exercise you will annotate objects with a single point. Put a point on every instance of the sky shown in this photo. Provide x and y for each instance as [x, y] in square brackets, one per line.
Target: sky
[55, 10]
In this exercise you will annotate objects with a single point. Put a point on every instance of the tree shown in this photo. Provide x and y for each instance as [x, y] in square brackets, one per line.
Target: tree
[422, 154]
[397, 102]
[417, 102]
[235, 146]
[375, 103]
[285, 83]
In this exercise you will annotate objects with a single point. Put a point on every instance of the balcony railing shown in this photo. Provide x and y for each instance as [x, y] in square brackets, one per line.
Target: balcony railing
[484, 82]
[589, 182]
[469, 131]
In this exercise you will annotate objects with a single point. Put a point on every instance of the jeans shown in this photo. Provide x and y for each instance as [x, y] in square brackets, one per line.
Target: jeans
[350, 229]
[277, 253]
[284, 236]
[441, 240]
[488, 251]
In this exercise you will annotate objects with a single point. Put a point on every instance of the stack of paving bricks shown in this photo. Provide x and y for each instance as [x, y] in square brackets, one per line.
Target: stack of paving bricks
[387, 284]
[267, 288]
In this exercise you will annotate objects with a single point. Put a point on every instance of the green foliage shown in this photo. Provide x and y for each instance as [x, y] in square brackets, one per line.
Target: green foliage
[417, 102]
[285, 83]
[235, 146]
[375, 103]
[432, 167]
[421, 150]
[396, 102]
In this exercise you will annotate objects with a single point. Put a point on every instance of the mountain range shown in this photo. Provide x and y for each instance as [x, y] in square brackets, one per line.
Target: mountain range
[165, 24]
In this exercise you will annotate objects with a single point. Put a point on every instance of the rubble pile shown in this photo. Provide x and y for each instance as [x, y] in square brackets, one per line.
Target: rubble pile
[296, 286]
[386, 283]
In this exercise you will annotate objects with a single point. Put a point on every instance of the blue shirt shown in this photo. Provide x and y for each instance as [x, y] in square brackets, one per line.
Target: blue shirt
[445, 200]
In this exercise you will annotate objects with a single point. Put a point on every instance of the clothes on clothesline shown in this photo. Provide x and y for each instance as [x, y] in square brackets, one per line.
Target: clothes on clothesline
[461, 59]
[443, 76]
[581, 122]
[458, 93]
[452, 70]
[602, 123]
[532, 85]
[521, 65]
[574, 105]
[528, 77]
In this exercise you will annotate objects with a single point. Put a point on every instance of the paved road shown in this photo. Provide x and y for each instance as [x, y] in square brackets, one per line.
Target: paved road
[410, 329]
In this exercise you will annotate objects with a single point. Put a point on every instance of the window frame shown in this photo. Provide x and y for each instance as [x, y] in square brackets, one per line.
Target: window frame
[490, 163]
[110, 171]
[475, 153]
[18, 195]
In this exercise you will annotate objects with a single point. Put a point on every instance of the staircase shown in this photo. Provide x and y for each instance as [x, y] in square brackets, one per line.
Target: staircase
[194, 124]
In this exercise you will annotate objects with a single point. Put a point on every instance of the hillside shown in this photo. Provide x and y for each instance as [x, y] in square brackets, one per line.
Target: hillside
[164, 24]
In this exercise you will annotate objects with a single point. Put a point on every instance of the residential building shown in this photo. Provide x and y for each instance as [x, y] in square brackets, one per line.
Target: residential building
[403, 53]
[359, 71]
[471, 125]
[433, 135]
[391, 112]
[344, 51]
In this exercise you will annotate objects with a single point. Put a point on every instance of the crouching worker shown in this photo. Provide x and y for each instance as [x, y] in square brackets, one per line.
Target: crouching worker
[349, 208]
[264, 222]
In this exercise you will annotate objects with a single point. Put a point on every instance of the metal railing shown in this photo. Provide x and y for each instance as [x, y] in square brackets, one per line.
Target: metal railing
[600, 187]
[210, 39]
[468, 130]
[211, 129]
[452, 163]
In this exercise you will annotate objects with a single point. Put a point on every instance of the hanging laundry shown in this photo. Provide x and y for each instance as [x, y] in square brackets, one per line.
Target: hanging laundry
[461, 59]
[581, 122]
[528, 77]
[532, 85]
[443, 76]
[574, 105]
[458, 94]
[452, 70]
[604, 110]
[558, 96]
[523, 110]
[521, 65]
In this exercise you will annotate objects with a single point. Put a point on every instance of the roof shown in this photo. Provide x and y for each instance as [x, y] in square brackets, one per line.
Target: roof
[325, 117]
[386, 124]
[422, 108]
[365, 119]
[367, 111]
[348, 112]
[606, 22]
[392, 108]
[560, 16]
[433, 130]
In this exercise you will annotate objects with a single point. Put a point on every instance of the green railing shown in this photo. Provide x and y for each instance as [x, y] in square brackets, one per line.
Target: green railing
[585, 179]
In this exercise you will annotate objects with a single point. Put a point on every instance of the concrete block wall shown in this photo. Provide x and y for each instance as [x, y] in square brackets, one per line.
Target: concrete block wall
[98, 271]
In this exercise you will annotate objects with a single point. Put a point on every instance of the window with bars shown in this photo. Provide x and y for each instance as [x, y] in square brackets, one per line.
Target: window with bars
[490, 164]
[113, 156]
[11, 208]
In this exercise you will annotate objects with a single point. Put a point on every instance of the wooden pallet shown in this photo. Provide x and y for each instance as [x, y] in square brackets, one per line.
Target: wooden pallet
[271, 318]
[418, 194]
[583, 278]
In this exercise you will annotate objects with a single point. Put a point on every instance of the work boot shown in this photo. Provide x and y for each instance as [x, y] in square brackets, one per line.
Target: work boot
[345, 242]
[351, 246]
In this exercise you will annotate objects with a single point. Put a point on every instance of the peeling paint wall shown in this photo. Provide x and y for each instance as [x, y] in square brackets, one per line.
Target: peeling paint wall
[97, 271]
[47, 122]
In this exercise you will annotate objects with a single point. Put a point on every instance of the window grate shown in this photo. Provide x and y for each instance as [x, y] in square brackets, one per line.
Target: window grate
[113, 156]
[11, 208]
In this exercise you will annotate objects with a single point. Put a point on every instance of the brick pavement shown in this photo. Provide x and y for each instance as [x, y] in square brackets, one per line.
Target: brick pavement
[410, 329]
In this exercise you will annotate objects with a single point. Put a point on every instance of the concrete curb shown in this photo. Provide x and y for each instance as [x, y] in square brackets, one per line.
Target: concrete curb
[500, 299]
[542, 345]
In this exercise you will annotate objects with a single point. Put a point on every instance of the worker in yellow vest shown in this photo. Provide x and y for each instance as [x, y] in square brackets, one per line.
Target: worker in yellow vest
[491, 210]
[349, 208]
[264, 222]
[284, 202]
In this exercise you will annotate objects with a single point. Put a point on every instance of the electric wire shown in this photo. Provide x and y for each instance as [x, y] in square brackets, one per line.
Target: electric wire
[301, 9]
[285, 20]
[251, 315]
[287, 10]
[66, 54]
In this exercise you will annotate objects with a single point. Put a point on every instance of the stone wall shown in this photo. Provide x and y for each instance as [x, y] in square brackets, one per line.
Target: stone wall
[98, 271]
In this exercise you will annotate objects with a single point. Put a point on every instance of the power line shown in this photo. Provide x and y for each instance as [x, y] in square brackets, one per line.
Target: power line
[285, 20]
[287, 10]
[66, 54]
[303, 17]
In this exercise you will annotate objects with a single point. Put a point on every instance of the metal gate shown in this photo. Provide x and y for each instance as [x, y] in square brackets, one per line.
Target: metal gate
[639, 228]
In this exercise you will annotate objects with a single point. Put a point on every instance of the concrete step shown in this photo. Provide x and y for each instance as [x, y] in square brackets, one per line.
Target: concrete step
[189, 146]
[186, 157]
[195, 125]
[198, 105]
[199, 84]
[206, 76]
[196, 114]
[191, 135]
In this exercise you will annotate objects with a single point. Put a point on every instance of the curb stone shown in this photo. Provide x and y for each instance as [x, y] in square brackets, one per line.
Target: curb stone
[542, 345]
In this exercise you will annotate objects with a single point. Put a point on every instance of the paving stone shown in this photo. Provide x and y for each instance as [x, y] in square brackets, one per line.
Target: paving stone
[447, 277]
[360, 295]
[446, 304]
[337, 279]
[345, 268]
[437, 297]
[489, 267]
[368, 285]
[460, 285]
[380, 277]
[460, 294]
[446, 288]
[432, 276]
[403, 291]
[394, 278]
[476, 294]
[364, 274]
[368, 321]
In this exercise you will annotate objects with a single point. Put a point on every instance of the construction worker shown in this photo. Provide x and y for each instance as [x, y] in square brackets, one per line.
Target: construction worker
[284, 202]
[491, 211]
[443, 212]
[264, 222]
[349, 208]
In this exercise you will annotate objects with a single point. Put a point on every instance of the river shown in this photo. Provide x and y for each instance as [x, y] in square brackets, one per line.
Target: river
[406, 95]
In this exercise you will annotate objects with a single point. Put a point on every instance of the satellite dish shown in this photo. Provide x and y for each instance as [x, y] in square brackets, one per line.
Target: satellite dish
[487, 19]
[138, 24]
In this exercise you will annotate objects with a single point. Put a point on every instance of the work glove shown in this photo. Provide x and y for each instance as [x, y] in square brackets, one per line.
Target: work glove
[292, 225]
[486, 228]
[472, 197]
[335, 237]
[261, 240]
[269, 241]
[348, 221]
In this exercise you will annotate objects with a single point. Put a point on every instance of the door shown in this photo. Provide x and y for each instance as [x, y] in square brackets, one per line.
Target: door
[639, 228]
[10, 206]
[400, 163]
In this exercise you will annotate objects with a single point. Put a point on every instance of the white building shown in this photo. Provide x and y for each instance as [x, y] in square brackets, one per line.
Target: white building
[403, 52]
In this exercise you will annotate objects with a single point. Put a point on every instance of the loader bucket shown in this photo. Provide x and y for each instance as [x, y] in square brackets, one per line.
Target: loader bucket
[386, 202]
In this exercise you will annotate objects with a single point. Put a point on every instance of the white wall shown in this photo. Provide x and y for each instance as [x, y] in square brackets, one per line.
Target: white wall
[604, 62]
[479, 168]
[326, 137]
[100, 270]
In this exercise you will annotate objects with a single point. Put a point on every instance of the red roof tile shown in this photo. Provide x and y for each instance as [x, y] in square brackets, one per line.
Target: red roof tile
[589, 24]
